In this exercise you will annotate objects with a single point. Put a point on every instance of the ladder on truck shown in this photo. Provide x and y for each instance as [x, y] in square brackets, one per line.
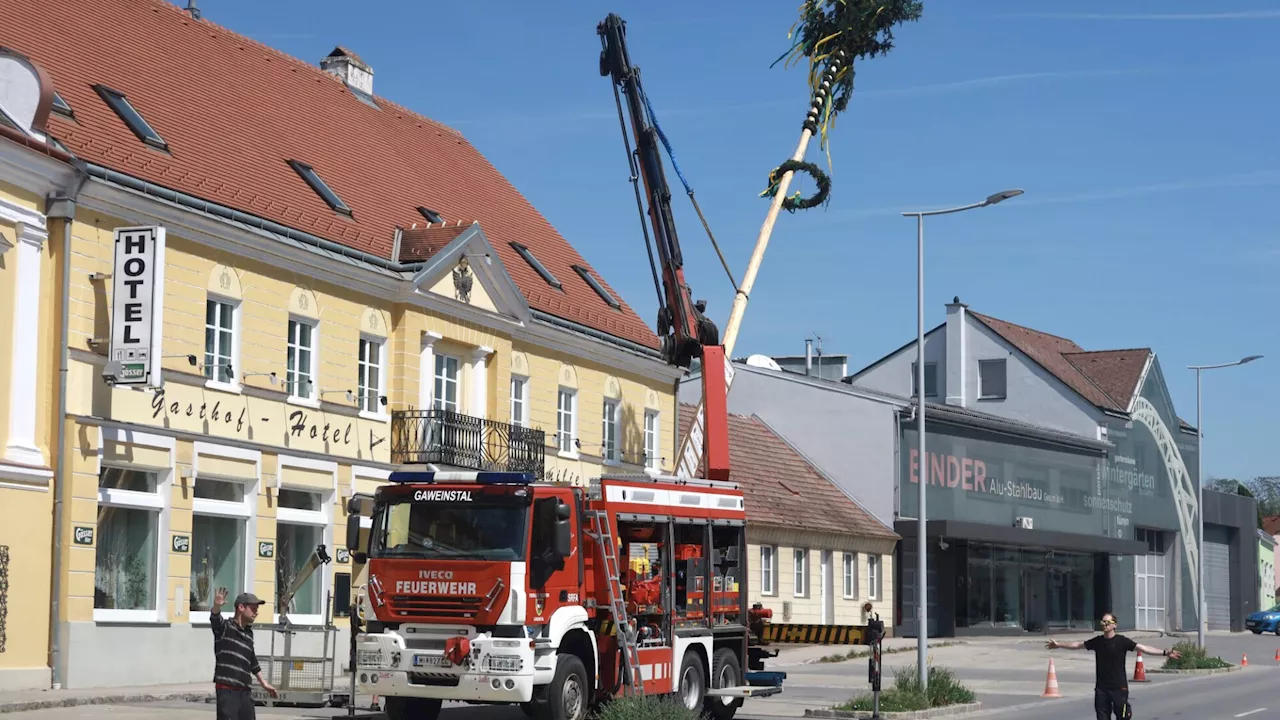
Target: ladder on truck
[633, 684]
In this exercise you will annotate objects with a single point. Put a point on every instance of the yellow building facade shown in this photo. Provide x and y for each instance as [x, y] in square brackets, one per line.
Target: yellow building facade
[31, 249]
[280, 382]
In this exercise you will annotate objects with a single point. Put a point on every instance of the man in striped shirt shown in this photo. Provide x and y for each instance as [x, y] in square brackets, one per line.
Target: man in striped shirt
[235, 660]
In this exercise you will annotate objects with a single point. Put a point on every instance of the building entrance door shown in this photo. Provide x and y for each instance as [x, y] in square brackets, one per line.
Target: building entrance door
[1034, 580]
[1149, 572]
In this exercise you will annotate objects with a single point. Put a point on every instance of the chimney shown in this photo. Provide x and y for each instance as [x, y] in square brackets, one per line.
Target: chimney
[808, 356]
[957, 373]
[192, 10]
[349, 68]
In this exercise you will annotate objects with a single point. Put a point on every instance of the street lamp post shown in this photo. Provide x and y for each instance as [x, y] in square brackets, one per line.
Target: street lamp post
[1200, 603]
[922, 595]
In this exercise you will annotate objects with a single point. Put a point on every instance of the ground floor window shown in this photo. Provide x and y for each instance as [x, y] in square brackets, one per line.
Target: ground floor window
[125, 572]
[221, 509]
[1031, 589]
[127, 544]
[300, 526]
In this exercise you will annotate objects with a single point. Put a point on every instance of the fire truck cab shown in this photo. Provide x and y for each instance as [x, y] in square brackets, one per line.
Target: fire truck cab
[491, 587]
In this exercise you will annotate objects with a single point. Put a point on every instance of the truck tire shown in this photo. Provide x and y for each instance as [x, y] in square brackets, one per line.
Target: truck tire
[569, 695]
[691, 690]
[403, 708]
[726, 671]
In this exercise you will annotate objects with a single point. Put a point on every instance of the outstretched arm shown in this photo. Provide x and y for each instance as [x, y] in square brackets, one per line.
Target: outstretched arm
[1157, 651]
[1054, 644]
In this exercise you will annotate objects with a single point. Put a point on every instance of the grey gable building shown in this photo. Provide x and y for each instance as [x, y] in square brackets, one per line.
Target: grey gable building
[1062, 482]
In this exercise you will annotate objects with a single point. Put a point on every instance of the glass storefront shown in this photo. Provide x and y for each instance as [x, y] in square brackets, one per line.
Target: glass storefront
[1034, 590]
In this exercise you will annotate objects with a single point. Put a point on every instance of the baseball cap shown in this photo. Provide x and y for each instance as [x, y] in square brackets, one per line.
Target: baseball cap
[249, 599]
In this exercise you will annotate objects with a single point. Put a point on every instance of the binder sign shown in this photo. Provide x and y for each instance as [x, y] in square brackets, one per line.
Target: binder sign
[136, 306]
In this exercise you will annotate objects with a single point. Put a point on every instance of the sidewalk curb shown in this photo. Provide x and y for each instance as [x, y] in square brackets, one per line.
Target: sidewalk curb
[1196, 671]
[949, 710]
[108, 699]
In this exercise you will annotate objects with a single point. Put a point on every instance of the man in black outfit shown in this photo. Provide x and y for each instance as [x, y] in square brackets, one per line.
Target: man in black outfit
[1111, 689]
[234, 657]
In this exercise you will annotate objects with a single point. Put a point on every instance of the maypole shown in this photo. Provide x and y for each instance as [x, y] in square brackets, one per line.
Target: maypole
[832, 34]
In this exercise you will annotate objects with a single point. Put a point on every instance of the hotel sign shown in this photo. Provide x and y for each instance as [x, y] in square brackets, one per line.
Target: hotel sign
[137, 307]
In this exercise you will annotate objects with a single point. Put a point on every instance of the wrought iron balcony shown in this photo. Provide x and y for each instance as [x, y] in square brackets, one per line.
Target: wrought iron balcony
[442, 437]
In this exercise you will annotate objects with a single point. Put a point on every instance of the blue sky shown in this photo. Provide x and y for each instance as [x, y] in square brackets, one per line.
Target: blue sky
[1142, 133]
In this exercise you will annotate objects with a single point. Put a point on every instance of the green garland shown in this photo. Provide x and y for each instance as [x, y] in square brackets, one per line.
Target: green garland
[797, 201]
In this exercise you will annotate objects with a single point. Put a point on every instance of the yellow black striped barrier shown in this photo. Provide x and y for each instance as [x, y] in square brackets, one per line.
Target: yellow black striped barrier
[815, 634]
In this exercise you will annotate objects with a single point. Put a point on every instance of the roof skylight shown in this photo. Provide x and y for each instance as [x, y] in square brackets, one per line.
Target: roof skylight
[595, 285]
[61, 107]
[431, 215]
[131, 117]
[324, 191]
[533, 263]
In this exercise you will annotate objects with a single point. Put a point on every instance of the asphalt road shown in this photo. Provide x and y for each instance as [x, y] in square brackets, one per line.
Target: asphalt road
[1008, 676]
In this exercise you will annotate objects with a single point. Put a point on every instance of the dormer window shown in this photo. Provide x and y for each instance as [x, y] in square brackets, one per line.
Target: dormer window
[117, 101]
[431, 215]
[595, 285]
[61, 107]
[533, 263]
[328, 195]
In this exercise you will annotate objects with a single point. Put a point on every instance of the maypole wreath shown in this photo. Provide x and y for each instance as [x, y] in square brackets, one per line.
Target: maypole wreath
[832, 34]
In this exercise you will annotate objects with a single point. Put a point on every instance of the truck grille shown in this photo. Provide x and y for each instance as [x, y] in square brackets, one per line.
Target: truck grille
[415, 606]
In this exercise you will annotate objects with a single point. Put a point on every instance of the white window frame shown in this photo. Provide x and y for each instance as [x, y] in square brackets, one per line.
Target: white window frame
[768, 569]
[156, 501]
[570, 417]
[609, 417]
[321, 518]
[313, 398]
[873, 575]
[235, 309]
[984, 367]
[800, 572]
[437, 398]
[652, 441]
[246, 509]
[379, 411]
[519, 400]
[850, 584]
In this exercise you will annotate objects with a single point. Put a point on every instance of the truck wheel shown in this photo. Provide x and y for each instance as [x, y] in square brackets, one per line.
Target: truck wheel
[569, 696]
[726, 672]
[402, 708]
[692, 689]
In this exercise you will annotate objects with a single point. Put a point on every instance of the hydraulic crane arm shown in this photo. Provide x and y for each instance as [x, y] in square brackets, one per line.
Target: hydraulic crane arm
[685, 331]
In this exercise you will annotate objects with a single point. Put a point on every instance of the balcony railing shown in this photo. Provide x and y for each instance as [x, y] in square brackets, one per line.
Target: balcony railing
[442, 437]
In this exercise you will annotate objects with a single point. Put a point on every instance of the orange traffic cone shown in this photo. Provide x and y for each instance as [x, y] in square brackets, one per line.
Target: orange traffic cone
[1051, 683]
[1277, 654]
[1244, 660]
[1139, 670]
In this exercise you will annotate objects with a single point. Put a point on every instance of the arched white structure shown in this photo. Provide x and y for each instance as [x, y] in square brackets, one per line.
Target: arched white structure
[1184, 491]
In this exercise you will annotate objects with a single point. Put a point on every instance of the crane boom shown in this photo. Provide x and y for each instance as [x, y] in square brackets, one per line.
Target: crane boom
[685, 330]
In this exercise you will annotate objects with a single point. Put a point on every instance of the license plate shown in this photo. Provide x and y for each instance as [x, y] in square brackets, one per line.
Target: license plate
[431, 661]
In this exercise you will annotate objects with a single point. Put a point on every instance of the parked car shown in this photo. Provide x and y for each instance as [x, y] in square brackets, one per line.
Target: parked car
[1264, 621]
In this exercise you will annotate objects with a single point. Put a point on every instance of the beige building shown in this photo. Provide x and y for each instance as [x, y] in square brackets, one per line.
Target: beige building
[815, 556]
[274, 297]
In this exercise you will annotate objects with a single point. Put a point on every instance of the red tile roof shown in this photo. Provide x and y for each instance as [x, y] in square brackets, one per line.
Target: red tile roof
[1106, 378]
[234, 111]
[783, 489]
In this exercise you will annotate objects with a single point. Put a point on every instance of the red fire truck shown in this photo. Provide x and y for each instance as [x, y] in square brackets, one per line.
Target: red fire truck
[490, 587]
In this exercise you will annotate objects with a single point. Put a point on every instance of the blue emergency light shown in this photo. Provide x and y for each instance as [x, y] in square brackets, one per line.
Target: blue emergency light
[481, 478]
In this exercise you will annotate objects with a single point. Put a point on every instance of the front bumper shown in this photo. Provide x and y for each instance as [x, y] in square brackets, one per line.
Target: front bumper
[498, 670]
[1262, 624]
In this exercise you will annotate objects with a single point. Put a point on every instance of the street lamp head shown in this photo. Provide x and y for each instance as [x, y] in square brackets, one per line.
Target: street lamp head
[1251, 358]
[1002, 195]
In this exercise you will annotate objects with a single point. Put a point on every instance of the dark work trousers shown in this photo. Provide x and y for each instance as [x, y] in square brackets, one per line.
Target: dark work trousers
[235, 704]
[1106, 702]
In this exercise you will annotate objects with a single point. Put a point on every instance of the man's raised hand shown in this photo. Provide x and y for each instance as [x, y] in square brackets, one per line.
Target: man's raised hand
[1052, 644]
[219, 597]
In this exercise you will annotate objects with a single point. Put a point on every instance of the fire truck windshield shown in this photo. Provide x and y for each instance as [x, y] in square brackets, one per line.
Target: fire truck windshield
[491, 528]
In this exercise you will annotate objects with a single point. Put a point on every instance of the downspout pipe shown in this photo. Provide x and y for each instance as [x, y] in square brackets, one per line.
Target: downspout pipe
[61, 206]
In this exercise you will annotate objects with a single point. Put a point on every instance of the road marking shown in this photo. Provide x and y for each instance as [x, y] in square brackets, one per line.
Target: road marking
[1251, 712]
